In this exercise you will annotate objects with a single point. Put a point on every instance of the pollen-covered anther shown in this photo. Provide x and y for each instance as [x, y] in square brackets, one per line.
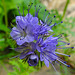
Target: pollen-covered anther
[61, 21]
[54, 16]
[72, 47]
[69, 55]
[68, 44]
[68, 65]
[29, 7]
[65, 62]
[49, 13]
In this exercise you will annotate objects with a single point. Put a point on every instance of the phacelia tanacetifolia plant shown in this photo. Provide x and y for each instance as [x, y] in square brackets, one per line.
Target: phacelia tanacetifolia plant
[33, 35]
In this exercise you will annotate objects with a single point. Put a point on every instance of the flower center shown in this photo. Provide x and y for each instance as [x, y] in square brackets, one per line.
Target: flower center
[23, 33]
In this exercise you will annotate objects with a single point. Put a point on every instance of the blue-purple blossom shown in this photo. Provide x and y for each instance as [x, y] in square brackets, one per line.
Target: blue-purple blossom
[25, 50]
[47, 49]
[33, 60]
[24, 31]
[27, 53]
[31, 36]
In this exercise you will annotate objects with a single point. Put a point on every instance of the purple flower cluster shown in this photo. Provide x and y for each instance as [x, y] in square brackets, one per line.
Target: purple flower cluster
[34, 39]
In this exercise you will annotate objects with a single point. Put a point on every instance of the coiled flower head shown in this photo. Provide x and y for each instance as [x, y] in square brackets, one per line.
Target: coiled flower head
[33, 37]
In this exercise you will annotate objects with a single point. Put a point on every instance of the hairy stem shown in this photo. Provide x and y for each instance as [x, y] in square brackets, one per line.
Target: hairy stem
[65, 8]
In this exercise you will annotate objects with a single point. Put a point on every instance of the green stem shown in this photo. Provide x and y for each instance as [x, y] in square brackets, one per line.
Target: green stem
[65, 8]
[5, 13]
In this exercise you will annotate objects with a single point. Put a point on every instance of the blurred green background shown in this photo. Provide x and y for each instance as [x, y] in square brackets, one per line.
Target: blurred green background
[8, 12]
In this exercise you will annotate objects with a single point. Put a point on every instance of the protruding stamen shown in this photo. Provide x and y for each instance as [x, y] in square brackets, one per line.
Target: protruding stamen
[65, 43]
[61, 45]
[19, 11]
[60, 22]
[62, 62]
[51, 53]
[60, 35]
[57, 62]
[14, 57]
[53, 25]
[36, 12]
[29, 7]
[51, 20]
[50, 62]
[62, 54]
[46, 20]
[65, 47]
[44, 14]
[54, 67]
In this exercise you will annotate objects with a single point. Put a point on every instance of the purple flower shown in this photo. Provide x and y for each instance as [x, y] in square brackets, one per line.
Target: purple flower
[33, 37]
[27, 53]
[47, 49]
[33, 60]
[24, 32]
[25, 50]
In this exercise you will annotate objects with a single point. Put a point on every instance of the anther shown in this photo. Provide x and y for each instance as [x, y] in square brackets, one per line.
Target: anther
[61, 21]
[54, 16]
[68, 44]
[29, 7]
[69, 55]
[49, 13]
[72, 47]
[68, 65]
[19, 11]
[65, 62]
[36, 12]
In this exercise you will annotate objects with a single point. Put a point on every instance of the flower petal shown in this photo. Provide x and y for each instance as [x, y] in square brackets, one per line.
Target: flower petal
[46, 62]
[15, 33]
[34, 21]
[41, 57]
